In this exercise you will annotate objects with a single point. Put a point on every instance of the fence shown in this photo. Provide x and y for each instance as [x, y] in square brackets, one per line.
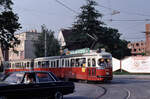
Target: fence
[133, 64]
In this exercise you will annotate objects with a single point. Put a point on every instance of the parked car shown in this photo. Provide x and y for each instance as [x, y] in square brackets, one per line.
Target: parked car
[19, 84]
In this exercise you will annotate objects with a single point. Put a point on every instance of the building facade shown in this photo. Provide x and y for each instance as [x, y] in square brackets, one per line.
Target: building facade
[137, 48]
[147, 33]
[25, 49]
[141, 47]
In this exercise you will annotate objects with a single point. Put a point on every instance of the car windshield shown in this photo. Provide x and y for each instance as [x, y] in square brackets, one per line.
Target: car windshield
[14, 78]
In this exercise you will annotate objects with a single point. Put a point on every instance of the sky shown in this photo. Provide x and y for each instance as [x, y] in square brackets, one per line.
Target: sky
[130, 21]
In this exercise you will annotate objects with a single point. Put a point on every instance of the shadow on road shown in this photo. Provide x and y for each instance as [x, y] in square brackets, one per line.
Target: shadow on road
[77, 97]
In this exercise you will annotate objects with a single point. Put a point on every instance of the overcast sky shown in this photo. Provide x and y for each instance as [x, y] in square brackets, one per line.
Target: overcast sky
[130, 22]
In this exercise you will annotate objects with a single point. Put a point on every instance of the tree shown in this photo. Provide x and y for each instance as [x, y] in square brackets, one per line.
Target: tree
[51, 43]
[8, 25]
[90, 32]
[87, 25]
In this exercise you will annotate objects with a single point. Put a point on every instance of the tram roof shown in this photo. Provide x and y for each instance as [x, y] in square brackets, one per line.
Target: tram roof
[92, 53]
[18, 60]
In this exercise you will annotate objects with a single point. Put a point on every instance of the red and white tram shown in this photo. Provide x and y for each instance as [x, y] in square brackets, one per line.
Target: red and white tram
[91, 66]
[18, 65]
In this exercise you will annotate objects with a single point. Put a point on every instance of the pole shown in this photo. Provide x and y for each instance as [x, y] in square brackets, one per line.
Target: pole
[45, 44]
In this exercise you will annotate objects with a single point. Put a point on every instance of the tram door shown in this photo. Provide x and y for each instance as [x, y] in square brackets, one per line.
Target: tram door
[91, 67]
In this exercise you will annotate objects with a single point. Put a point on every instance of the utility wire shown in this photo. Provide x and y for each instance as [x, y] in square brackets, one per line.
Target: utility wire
[66, 6]
[129, 20]
[134, 13]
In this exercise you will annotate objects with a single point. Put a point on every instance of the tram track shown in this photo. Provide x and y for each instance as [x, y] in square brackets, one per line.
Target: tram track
[128, 93]
[106, 89]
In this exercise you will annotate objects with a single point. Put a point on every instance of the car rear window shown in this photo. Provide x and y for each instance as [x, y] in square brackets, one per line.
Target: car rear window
[44, 77]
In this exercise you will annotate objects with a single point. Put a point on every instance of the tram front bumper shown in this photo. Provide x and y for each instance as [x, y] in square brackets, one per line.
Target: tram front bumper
[99, 76]
[105, 77]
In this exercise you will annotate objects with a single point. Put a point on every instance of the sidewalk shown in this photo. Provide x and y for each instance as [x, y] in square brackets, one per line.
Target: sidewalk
[132, 76]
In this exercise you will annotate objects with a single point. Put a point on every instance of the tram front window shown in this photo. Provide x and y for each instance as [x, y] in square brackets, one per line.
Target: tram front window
[102, 63]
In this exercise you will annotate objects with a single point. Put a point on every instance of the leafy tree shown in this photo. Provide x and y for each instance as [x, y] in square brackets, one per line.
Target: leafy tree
[8, 25]
[87, 25]
[51, 43]
[89, 31]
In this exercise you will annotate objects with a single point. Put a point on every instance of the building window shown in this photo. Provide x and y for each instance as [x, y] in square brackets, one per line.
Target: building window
[134, 50]
[137, 44]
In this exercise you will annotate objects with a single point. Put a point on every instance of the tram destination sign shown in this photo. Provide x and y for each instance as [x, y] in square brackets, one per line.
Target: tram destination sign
[80, 51]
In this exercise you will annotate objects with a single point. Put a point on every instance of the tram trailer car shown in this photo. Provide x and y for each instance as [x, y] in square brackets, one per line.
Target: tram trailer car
[18, 65]
[92, 66]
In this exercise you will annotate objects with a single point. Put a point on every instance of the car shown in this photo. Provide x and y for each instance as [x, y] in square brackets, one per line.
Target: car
[42, 84]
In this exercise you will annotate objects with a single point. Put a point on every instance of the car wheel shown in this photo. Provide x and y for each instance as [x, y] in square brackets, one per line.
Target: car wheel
[3, 97]
[58, 95]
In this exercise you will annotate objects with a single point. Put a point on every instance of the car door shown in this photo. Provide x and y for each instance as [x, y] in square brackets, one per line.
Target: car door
[46, 82]
[30, 88]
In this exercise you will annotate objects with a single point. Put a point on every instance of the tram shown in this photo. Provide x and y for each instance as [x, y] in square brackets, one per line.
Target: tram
[90, 66]
[18, 65]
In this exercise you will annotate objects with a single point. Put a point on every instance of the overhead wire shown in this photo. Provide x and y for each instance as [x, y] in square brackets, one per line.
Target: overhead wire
[129, 20]
[134, 13]
[67, 7]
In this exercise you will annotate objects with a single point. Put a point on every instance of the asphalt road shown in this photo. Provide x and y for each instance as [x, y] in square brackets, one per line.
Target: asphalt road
[121, 87]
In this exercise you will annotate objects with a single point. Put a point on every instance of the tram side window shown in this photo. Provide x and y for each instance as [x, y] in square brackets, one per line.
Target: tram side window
[89, 62]
[51, 63]
[39, 64]
[28, 64]
[57, 63]
[62, 62]
[82, 62]
[10, 65]
[77, 62]
[21, 64]
[36, 65]
[25, 65]
[69, 63]
[42, 64]
[93, 62]
[72, 62]
[16, 64]
[47, 64]
[54, 64]
[65, 63]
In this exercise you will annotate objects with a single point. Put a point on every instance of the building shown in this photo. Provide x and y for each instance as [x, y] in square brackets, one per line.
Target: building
[141, 47]
[137, 48]
[147, 33]
[64, 38]
[25, 49]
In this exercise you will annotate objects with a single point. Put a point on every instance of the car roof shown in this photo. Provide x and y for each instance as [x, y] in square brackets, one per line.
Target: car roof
[32, 72]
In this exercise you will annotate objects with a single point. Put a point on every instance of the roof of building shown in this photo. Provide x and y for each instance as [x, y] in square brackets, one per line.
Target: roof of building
[71, 45]
[66, 33]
